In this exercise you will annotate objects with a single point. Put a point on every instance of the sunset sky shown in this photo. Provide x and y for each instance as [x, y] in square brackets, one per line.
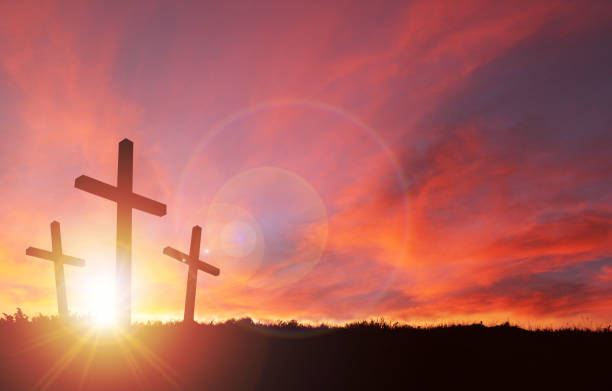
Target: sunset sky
[421, 161]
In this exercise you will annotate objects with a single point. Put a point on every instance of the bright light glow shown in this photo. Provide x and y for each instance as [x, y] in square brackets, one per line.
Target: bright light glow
[102, 302]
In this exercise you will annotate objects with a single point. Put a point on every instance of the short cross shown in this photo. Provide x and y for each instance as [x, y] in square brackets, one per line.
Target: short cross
[194, 264]
[59, 259]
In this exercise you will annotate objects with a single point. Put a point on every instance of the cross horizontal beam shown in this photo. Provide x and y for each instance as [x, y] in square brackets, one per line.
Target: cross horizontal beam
[182, 257]
[48, 255]
[112, 193]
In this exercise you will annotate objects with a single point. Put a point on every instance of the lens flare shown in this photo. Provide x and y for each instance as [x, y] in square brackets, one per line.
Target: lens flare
[234, 240]
[275, 209]
[238, 239]
[311, 121]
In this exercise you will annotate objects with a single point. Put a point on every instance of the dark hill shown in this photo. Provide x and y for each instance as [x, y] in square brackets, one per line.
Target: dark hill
[43, 354]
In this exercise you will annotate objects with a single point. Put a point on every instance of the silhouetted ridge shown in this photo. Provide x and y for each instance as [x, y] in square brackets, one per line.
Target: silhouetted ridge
[285, 355]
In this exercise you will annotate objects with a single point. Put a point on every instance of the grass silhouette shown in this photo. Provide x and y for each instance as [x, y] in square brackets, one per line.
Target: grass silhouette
[44, 353]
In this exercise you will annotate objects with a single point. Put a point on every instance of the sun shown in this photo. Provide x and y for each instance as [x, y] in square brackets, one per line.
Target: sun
[101, 294]
[104, 317]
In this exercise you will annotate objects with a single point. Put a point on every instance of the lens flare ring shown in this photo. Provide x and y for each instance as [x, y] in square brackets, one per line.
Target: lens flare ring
[373, 135]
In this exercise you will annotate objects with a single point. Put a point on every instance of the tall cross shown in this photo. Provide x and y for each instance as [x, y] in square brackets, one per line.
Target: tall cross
[194, 264]
[59, 259]
[126, 200]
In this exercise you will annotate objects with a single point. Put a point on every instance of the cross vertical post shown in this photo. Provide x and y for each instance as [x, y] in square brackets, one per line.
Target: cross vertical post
[60, 282]
[124, 231]
[192, 274]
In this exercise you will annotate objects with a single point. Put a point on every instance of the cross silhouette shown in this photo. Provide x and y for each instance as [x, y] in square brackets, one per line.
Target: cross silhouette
[194, 264]
[59, 259]
[126, 200]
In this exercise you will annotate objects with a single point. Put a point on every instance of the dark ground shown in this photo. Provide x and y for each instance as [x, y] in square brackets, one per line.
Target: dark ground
[43, 354]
